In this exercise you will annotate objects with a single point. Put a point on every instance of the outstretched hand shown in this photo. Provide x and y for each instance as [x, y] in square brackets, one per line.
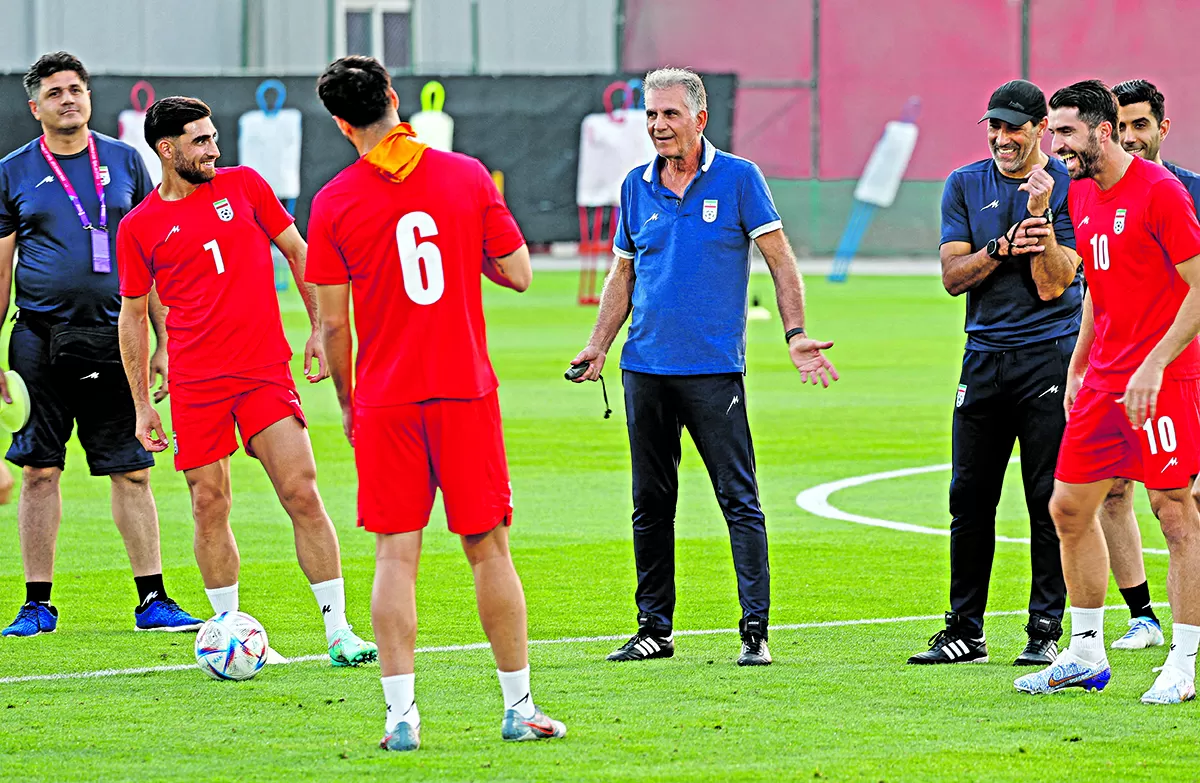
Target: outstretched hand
[809, 361]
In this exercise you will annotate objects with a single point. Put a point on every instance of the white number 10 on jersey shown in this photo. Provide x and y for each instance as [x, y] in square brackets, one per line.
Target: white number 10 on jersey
[420, 263]
[1100, 258]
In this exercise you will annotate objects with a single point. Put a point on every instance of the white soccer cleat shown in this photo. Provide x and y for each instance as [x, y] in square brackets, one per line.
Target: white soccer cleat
[1171, 687]
[1067, 671]
[1143, 632]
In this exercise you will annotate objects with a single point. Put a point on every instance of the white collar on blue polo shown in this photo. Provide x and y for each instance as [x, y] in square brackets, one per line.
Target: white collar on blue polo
[709, 155]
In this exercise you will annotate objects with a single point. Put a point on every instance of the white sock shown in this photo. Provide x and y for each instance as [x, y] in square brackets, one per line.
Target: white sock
[401, 706]
[1184, 641]
[515, 687]
[223, 599]
[331, 600]
[1087, 634]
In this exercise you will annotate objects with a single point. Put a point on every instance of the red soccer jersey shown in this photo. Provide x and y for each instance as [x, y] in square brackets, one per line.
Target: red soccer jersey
[413, 254]
[1130, 237]
[210, 256]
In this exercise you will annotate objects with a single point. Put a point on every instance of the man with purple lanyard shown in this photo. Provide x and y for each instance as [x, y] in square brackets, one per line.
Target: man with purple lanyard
[61, 198]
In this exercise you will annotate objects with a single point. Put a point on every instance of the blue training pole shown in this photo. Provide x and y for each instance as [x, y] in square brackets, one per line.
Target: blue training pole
[856, 227]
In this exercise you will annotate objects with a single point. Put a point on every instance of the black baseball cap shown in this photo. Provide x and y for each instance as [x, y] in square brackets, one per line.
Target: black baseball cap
[1016, 102]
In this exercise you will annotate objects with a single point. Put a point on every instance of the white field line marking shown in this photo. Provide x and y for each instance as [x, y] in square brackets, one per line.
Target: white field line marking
[485, 646]
[815, 500]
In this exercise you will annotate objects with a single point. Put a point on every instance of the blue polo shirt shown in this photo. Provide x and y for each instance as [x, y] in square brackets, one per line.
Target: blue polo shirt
[1004, 310]
[54, 273]
[1190, 180]
[691, 263]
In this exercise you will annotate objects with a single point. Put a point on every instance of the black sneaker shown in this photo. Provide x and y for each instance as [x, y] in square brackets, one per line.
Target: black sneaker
[647, 643]
[953, 645]
[1042, 649]
[754, 642]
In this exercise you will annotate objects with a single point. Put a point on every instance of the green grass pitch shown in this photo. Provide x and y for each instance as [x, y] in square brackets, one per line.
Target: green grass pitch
[839, 703]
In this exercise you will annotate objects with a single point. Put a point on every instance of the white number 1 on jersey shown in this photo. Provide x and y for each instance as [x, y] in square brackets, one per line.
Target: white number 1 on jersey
[216, 251]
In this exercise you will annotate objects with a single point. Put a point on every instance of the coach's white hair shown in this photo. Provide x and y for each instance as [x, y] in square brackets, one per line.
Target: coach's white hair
[665, 78]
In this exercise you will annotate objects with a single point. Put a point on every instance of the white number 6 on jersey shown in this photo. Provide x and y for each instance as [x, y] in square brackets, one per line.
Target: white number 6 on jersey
[427, 288]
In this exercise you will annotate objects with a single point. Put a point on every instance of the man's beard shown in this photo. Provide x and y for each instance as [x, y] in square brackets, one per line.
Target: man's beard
[1089, 157]
[194, 174]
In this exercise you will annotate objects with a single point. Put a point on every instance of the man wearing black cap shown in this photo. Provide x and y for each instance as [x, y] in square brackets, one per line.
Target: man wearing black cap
[1007, 242]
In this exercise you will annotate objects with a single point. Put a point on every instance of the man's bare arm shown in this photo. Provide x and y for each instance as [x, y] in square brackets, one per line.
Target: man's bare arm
[8, 251]
[789, 285]
[295, 250]
[963, 269]
[616, 302]
[1054, 268]
[513, 271]
[133, 328]
[333, 304]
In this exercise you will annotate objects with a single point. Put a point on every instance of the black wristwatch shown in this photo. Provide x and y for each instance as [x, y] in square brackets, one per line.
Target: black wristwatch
[790, 333]
[993, 250]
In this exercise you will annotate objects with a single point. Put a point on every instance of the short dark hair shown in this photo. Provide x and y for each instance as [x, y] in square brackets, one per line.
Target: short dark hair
[1142, 91]
[355, 88]
[1092, 98]
[166, 117]
[46, 66]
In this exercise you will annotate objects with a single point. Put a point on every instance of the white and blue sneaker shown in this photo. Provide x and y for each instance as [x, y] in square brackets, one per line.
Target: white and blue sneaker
[1171, 687]
[1143, 632]
[1067, 671]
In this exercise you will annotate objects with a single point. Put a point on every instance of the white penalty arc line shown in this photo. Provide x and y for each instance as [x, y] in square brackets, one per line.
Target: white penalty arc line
[815, 500]
[452, 648]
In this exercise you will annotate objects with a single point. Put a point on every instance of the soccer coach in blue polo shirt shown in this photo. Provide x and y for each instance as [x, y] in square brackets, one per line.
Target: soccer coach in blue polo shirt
[682, 266]
[1008, 244]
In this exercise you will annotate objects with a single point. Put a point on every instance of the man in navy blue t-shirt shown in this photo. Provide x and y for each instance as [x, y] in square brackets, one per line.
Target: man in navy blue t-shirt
[1143, 125]
[64, 344]
[1008, 244]
[682, 265]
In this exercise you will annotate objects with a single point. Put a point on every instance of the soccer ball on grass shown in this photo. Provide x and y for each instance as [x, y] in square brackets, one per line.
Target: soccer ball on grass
[231, 646]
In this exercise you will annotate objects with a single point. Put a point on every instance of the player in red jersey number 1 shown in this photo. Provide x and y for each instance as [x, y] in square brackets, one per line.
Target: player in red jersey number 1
[1134, 382]
[203, 240]
[409, 231]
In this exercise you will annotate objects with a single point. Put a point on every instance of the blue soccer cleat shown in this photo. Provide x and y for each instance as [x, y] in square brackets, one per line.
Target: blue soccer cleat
[163, 614]
[518, 729]
[33, 619]
[404, 737]
[1068, 671]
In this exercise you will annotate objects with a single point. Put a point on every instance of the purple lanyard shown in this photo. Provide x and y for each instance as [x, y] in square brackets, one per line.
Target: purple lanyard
[71, 194]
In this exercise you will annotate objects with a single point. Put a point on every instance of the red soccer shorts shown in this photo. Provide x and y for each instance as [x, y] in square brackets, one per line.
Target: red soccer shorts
[1101, 444]
[405, 452]
[204, 413]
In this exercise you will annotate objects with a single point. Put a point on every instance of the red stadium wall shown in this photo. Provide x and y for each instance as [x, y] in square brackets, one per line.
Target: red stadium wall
[875, 54]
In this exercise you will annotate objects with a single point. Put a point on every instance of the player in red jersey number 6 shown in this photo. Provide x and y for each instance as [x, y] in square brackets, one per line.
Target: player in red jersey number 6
[409, 232]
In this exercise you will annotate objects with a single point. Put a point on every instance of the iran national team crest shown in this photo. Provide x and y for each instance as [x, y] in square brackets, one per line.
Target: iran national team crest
[962, 395]
[105, 178]
[710, 210]
[1119, 222]
[224, 210]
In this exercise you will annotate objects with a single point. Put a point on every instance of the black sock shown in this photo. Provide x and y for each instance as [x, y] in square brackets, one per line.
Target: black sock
[1138, 599]
[149, 588]
[37, 592]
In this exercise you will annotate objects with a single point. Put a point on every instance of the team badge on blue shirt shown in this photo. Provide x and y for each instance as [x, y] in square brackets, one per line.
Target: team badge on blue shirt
[709, 212]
